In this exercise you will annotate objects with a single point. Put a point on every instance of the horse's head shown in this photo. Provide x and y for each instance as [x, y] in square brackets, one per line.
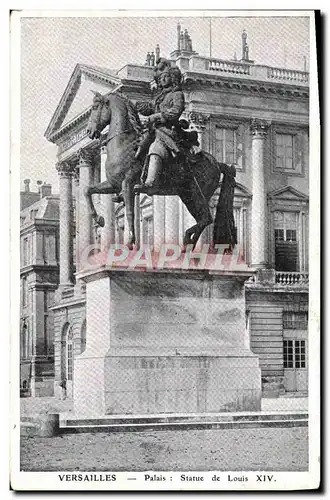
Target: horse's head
[99, 117]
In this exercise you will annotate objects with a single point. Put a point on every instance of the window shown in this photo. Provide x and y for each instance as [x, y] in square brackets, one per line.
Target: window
[25, 251]
[286, 241]
[294, 353]
[24, 339]
[24, 292]
[291, 235]
[33, 214]
[225, 144]
[295, 320]
[284, 152]
[279, 235]
[69, 354]
[286, 235]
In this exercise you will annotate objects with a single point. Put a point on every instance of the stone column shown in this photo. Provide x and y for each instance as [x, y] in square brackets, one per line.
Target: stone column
[85, 166]
[159, 221]
[172, 219]
[76, 191]
[259, 257]
[137, 220]
[65, 171]
[108, 209]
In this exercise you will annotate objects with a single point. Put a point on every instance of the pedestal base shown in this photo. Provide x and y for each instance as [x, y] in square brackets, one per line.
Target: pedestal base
[163, 343]
[169, 384]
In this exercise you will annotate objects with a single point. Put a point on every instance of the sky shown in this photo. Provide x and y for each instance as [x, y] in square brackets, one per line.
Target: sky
[51, 47]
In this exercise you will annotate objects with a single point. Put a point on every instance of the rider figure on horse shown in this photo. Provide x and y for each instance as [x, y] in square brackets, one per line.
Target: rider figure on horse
[164, 113]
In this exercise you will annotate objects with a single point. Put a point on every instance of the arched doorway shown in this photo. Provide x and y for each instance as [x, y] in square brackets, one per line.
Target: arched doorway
[83, 337]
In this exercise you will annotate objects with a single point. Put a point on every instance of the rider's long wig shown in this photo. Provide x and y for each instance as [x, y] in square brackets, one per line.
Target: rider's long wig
[176, 77]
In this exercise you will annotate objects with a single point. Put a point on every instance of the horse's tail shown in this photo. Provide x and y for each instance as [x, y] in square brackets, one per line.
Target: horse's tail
[224, 231]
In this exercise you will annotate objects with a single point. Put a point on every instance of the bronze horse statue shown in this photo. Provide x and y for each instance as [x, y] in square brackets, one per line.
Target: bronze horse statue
[194, 181]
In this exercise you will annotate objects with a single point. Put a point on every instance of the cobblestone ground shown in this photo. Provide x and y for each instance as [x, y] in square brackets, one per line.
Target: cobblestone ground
[277, 449]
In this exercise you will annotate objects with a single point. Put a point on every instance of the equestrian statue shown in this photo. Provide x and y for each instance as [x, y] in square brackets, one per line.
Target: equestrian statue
[162, 157]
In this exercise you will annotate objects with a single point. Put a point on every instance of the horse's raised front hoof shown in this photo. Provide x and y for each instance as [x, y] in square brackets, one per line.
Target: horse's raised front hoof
[131, 243]
[188, 240]
[99, 220]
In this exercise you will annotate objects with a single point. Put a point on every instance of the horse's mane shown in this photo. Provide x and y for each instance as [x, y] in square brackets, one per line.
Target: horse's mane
[132, 113]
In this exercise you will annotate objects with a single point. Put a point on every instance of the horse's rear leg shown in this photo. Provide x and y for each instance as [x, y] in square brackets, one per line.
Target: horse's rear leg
[199, 209]
[129, 199]
[102, 188]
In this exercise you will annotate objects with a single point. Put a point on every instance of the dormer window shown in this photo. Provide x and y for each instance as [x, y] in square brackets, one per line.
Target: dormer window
[33, 214]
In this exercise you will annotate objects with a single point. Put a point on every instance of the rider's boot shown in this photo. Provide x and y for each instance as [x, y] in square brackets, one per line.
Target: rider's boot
[151, 184]
[138, 154]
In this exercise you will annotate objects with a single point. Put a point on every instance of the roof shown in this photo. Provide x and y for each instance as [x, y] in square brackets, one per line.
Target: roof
[46, 208]
[105, 76]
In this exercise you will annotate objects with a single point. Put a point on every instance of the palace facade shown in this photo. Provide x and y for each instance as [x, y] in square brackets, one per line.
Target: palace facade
[252, 115]
[39, 274]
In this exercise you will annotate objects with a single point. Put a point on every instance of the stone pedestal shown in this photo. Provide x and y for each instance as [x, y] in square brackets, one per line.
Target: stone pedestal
[165, 342]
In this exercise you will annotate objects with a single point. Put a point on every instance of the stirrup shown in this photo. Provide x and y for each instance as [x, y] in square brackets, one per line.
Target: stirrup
[151, 190]
[145, 188]
[138, 188]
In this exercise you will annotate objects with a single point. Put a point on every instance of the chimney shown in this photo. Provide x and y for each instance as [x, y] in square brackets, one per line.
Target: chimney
[181, 41]
[185, 40]
[27, 185]
[178, 29]
[190, 44]
[157, 52]
[45, 190]
[39, 183]
[244, 45]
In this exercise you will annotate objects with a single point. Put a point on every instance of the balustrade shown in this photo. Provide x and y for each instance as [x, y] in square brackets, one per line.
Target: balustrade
[228, 67]
[253, 71]
[292, 278]
[288, 74]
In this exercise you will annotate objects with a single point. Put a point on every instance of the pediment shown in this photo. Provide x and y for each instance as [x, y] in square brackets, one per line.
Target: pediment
[77, 97]
[83, 98]
[242, 191]
[287, 193]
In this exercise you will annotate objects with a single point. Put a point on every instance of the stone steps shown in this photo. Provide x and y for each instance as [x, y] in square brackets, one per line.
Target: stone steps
[183, 422]
[30, 425]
